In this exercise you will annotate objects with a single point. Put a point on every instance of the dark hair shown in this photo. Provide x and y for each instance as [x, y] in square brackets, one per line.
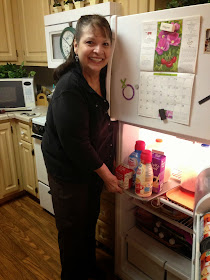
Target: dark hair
[92, 20]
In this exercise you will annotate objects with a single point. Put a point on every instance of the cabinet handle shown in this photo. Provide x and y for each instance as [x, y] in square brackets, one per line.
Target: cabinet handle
[20, 143]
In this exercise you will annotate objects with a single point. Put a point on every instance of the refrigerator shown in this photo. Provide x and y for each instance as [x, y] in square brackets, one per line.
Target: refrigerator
[158, 87]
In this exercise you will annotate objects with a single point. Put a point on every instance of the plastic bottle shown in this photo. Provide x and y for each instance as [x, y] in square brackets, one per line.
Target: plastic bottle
[159, 148]
[144, 175]
[134, 158]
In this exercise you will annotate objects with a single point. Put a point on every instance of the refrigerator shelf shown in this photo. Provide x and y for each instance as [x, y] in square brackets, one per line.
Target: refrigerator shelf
[185, 223]
[176, 206]
[166, 187]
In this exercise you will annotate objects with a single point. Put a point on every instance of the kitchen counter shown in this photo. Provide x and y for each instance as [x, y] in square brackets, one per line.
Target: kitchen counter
[25, 116]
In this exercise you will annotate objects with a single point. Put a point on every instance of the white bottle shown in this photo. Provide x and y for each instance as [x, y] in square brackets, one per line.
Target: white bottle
[134, 158]
[144, 175]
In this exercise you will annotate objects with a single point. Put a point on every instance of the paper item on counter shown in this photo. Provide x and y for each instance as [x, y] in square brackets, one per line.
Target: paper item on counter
[170, 51]
[171, 92]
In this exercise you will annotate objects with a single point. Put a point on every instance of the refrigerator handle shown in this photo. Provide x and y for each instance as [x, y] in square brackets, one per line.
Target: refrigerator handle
[113, 24]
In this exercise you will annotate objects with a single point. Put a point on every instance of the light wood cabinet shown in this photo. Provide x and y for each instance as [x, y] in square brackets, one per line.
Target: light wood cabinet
[22, 31]
[31, 14]
[7, 34]
[8, 171]
[140, 6]
[27, 158]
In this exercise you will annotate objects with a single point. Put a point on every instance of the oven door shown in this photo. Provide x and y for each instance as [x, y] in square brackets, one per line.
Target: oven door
[44, 190]
[45, 197]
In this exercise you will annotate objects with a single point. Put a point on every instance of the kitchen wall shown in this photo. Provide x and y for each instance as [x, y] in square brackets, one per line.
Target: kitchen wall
[44, 75]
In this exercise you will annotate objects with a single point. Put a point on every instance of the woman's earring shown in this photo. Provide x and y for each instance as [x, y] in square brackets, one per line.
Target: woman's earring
[76, 57]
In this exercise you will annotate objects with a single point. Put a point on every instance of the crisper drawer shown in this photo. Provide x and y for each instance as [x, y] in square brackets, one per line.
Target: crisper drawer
[146, 261]
[178, 268]
[45, 198]
[155, 259]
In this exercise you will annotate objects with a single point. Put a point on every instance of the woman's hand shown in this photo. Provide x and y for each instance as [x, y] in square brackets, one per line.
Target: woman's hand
[110, 181]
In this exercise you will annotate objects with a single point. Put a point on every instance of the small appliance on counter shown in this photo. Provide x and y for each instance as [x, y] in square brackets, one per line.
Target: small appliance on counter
[17, 94]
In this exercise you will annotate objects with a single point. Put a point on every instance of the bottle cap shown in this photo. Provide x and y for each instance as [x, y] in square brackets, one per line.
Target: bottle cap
[140, 145]
[146, 156]
[158, 140]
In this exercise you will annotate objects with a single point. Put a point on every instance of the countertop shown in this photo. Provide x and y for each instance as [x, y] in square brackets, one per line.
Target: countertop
[25, 116]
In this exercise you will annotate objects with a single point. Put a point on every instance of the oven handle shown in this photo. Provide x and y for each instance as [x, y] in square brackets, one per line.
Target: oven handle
[36, 136]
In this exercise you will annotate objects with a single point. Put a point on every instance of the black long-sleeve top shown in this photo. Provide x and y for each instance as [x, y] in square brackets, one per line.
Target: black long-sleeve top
[78, 134]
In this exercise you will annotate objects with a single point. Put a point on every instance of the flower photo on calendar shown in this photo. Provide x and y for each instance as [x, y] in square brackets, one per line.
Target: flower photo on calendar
[168, 47]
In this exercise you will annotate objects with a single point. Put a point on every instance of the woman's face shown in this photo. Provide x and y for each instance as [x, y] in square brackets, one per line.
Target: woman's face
[93, 50]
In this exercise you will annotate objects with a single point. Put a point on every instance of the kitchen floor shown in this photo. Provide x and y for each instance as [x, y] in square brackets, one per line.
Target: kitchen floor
[28, 239]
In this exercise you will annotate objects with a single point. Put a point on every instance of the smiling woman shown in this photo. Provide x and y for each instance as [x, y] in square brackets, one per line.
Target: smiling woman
[79, 146]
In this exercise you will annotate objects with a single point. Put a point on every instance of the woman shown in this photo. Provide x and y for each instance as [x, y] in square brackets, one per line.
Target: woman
[78, 146]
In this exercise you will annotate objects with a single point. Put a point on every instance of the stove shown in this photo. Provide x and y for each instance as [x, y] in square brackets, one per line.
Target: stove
[44, 190]
[38, 125]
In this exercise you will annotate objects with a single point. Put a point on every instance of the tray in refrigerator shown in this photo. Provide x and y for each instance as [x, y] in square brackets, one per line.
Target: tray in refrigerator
[166, 186]
[182, 197]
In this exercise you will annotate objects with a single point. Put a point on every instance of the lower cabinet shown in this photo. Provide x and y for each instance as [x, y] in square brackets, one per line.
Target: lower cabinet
[26, 151]
[28, 167]
[17, 162]
[8, 170]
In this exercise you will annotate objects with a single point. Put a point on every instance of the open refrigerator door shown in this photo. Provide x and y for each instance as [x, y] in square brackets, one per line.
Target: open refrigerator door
[201, 231]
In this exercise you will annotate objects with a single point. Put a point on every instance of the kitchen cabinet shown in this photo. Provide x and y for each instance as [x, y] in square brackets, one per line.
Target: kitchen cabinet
[140, 6]
[7, 35]
[22, 32]
[8, 170]
[27, 158]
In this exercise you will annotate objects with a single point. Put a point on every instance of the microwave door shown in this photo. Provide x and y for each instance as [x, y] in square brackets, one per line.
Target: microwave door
[52, 36]
[11, 94]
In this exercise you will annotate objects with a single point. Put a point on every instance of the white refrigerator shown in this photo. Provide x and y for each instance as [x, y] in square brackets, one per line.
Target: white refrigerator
[153, 92]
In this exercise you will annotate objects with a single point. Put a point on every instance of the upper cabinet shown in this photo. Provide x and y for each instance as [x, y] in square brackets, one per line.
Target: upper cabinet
[22, 31]
[140, 6]
[7, 35]
[31, 15]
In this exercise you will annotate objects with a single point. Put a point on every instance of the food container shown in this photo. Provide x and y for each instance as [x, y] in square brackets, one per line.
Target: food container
[205, 266]
[124, 176]
[205, 226]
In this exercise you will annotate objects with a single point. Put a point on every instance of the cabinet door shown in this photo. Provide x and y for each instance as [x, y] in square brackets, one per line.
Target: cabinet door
[28, 167]
[31, 13]
[8, 173]
[7, 35]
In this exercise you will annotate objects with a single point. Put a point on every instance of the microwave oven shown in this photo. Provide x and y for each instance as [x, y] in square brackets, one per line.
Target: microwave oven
[17, 94]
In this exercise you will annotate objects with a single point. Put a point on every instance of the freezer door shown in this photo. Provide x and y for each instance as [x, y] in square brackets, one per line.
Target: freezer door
[125, 79]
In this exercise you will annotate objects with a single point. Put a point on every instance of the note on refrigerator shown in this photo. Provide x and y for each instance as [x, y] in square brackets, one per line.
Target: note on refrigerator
[169, 91]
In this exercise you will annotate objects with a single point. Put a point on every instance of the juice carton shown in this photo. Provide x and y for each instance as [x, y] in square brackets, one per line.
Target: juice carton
[124, 176]
[158, 166]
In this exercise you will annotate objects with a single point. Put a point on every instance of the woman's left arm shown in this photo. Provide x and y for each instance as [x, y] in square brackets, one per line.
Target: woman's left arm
[110, 181]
